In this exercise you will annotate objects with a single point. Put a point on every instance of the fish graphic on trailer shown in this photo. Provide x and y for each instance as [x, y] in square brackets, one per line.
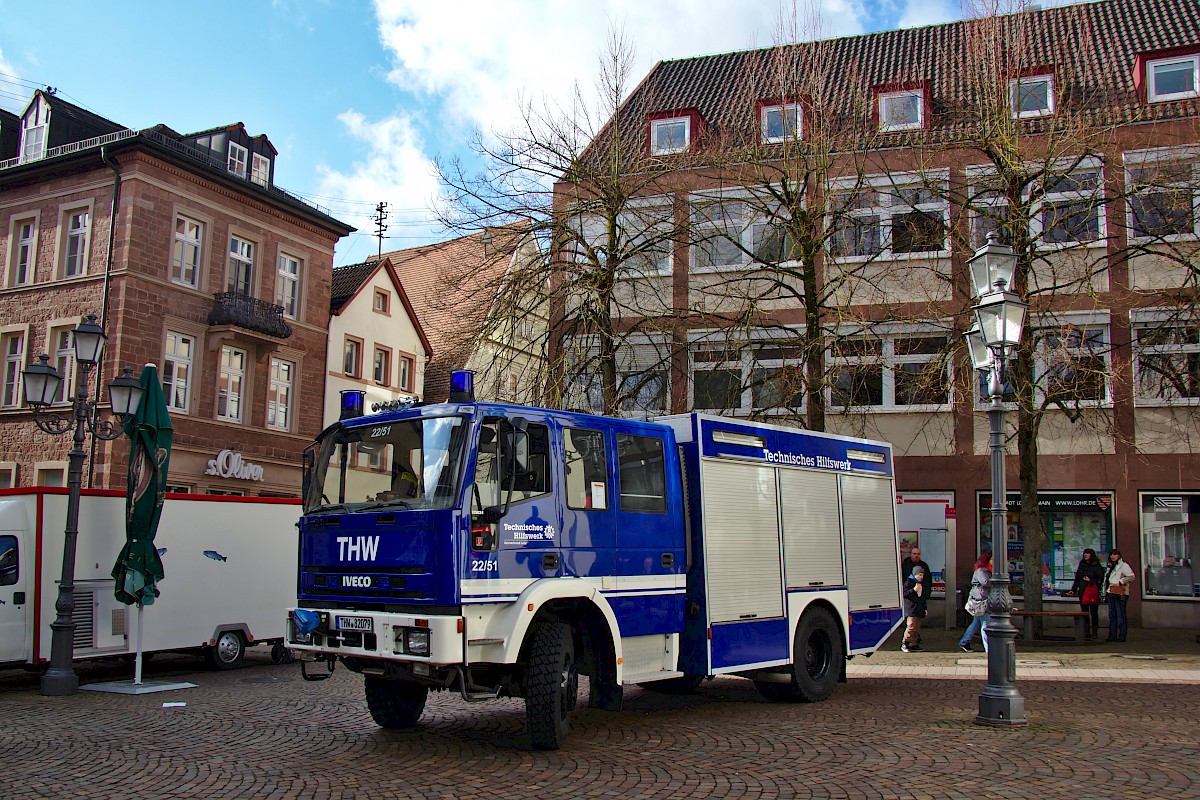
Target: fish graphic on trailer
[214, 555]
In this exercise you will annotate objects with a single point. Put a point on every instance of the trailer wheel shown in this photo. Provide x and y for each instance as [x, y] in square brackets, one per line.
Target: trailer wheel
[394, 705]
[684, 684]
[818, 656]
[552, 685]
[228, 652]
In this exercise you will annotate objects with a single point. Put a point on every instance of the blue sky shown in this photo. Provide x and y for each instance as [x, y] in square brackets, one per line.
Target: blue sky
[359, 97]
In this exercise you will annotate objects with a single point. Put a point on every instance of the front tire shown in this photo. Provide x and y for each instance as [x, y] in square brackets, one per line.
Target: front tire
[228, 652]
[552, 685]
[395, 705]
[817, 655]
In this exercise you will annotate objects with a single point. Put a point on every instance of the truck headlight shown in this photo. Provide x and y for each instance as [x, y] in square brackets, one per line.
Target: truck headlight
[416, 641]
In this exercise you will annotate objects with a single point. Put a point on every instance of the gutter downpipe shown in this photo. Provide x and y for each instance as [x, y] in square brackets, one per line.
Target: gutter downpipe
[112, 232]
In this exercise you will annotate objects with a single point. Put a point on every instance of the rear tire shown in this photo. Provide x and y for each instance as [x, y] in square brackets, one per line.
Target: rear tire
[818, 658]
[228, 652]
[552, 685]
[395, 705]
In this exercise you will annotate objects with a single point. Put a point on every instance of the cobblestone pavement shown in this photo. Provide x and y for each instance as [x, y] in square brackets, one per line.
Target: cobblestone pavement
[262, 732]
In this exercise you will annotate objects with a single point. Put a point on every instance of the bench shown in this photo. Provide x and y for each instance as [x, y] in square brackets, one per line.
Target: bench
[1077, 617]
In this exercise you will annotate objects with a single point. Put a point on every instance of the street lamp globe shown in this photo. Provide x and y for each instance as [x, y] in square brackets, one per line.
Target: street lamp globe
[89, 340]
[1001, 319]
[41, 382]
[992, 266]
[981, 356]
[125, 394]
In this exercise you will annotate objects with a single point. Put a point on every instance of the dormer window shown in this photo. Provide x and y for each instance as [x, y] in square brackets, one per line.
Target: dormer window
[780, 122]
[902, 111]
[33, 143]
[260, 172]
[238, 156]
[1032, 96]
[670, 135]
[1176, 78]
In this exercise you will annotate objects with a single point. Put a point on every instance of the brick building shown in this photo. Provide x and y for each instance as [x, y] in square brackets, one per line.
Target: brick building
[883, 139]
[194, 261]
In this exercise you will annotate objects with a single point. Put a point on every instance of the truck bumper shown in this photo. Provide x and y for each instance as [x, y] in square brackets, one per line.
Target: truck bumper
[433, 640]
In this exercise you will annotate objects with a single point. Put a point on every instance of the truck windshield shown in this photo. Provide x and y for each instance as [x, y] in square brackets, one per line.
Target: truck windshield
[410, 464]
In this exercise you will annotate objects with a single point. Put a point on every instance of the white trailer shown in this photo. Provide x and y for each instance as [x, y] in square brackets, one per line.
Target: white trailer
[230, 565]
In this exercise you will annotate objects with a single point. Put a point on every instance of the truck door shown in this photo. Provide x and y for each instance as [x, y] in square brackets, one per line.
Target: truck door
[587, 538]
[14, 598]
[512, 467]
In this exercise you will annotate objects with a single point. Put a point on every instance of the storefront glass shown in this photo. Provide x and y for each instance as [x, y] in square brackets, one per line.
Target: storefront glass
[1072, 522]
[1170, 524]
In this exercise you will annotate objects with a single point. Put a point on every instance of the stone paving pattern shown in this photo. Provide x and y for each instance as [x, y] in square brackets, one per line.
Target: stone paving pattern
[262, 732]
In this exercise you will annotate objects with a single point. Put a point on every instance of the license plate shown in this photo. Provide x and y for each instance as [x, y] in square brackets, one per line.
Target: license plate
[354, 623]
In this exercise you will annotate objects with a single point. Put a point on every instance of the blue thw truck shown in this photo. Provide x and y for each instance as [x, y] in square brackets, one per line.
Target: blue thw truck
[499, 550]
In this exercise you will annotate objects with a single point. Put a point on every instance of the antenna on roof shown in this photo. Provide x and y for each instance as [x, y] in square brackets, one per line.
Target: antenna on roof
[378, 219]
[51, 90]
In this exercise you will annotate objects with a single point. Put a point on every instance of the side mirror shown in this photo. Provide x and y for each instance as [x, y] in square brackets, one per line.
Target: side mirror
[493, 514]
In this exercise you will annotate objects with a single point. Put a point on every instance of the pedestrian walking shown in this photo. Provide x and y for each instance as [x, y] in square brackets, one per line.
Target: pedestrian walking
[1116, 589]
[910, 563]
[915, 605]
[1089, 577]
[981, 582]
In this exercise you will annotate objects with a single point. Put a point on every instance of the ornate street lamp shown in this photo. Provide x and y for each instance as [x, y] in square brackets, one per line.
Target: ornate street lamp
[999, 320]
[42, 383]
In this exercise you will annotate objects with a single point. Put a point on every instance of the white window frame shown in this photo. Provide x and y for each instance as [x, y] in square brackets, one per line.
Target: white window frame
[231, 377]
[381, 368]
[14, 364]
[707, 351]
[381, 302]
[1186, 346]
[1054, 195]
[238, 156]
[406, 370]
[260, 170]
[749, 224]
[44, 468]
[183, 245]
[287, 290]
[241, 258]
[280, 394]
[1015, 87]
[888, 201]
[22, 255]
[1138, 160]
[61, 348]
[175, 356]
[1152, 93]
[33, 142]
[352, 370]
[787, 112]
[884, 102]
[1044, 359]
[642, 218]
[77, 236]
[889, 362]
[656, 124]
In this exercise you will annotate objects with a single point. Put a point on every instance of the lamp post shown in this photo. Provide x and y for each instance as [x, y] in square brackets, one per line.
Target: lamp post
[42, 383]
[999, 319]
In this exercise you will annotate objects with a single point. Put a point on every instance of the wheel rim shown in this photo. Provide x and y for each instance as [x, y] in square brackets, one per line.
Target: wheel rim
[818, 654]
[567, 681]
[228, 647]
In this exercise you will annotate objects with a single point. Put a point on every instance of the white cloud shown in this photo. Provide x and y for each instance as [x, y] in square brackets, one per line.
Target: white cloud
[395, 169]
[918, 13]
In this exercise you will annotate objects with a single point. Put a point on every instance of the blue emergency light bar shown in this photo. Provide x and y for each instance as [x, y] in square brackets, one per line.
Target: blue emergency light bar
[462, 386]
[353, 401]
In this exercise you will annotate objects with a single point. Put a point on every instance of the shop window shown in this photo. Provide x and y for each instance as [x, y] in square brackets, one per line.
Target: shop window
[586, 468]
[642, 473]
[1170, 539]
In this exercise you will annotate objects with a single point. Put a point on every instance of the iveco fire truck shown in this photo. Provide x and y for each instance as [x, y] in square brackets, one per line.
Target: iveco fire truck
[498, 550]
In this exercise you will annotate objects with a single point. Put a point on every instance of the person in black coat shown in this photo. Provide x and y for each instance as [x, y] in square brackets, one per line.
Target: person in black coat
[1089, 580]
[906, 571]
[915, 602]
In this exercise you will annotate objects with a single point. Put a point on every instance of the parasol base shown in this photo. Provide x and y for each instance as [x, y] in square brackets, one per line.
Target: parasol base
[129, 687]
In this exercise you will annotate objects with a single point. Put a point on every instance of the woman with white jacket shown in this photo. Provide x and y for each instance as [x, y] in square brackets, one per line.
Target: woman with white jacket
[1117, 581]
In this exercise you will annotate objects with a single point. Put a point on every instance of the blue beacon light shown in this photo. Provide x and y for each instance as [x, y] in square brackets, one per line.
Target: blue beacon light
[353, 401]
[462, 386]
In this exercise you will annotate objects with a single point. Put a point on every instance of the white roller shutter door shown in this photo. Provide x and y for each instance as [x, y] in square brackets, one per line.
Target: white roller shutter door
[872, 560]
[812, 529]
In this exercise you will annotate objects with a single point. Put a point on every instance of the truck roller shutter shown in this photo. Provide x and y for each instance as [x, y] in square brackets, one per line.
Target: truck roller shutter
[741, 541]
[872, 559]
[812, 529]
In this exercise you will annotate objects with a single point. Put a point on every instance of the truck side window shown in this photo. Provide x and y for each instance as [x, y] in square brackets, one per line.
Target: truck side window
[642, 474]
[586, 468]
[525, 465]
[8, 560]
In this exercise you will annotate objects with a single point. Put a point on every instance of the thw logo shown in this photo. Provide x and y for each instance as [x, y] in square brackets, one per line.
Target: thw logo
[357, 548]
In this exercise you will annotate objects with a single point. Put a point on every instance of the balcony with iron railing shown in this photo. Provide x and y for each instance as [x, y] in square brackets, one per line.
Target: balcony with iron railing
[249, 313]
